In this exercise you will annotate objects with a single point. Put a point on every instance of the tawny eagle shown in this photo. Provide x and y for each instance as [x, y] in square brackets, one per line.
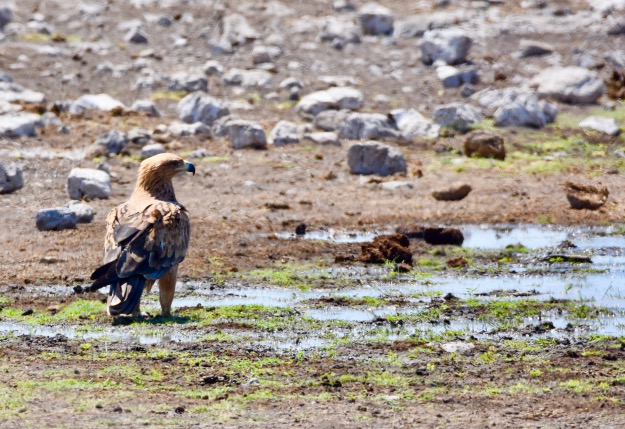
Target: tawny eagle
[146, 238]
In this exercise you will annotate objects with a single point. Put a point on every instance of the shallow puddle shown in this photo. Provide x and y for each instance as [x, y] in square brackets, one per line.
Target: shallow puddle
[598, 285]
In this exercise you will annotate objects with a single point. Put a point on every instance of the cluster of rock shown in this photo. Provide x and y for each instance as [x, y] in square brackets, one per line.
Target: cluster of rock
[329, 111]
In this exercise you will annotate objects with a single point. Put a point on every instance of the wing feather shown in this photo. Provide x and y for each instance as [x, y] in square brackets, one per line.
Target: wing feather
[148, 241]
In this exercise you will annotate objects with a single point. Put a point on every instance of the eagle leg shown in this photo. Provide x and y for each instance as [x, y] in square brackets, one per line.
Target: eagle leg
[167, 288]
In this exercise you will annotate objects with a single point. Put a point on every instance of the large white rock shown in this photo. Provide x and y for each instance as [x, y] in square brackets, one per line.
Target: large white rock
[246, 134]
[112, 141]
[103, 102]
[339, 30]
[199, 107]
[332, 98]
[449, 45]
[368, 126]
[575, 85]
[373, 157]
[20, 124]
[459, 116]
[248, 78]
[237, 30]
[601, 124]
[11, 92]
[331, 120]
[516, 107]
[146, 106]
[376, 19]
[413, 124]
[285, 132]
[88, 182]
[11, 178]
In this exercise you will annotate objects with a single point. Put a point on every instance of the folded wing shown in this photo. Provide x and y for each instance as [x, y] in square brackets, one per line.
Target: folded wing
[140, 244]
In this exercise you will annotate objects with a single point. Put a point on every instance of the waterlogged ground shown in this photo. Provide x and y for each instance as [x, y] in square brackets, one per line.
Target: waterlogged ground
[528, 333]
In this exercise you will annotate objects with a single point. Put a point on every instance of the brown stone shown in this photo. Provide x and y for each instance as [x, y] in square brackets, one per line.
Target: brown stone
[484, 144]
[392, 247]
[443, 236]
[454, 192]
[582, 196]
[413, 232]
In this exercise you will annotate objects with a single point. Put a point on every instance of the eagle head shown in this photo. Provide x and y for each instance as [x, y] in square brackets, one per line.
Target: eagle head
[165, 165]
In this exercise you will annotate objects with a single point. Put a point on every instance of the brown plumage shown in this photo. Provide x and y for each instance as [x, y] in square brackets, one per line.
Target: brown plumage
[146, 238]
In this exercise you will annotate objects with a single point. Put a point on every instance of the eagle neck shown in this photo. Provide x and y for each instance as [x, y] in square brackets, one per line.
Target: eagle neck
[158, 188]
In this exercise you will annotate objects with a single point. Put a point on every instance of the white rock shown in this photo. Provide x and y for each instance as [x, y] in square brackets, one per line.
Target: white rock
[453, 77]
[112, 141]
[533, 48]
[339, 30]
[265, 54]
[103, 102]
[459, 116]
[601, 124]
[332, 98]
[575, 85]
[396, 185]
[13, 93]
[20, 124]
[323, 138]
[136, 36]
[84, 212]
[189, 82]
[457, 347]
[150, 150]
[180, 129]
[238, 31]
[413, 124]
[199, 107]
[412, 26]
[448, 45]
[373, 157]
[248, 78]
[11, 178]
[514, 106]
[376, 19]
[246, 134]
[146, 106]
[605, 6]
[88, 182]
[213, 68]
[284, 133]
[9, 108]
[368, 126]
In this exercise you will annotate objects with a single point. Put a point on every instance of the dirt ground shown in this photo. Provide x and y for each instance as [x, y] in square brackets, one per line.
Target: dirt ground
[239, 200]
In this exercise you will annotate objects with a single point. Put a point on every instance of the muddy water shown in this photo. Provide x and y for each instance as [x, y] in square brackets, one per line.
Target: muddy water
[598, 284]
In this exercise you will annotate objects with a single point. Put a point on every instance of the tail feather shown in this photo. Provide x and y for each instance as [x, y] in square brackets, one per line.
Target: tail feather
[103, 276]
[125, 295]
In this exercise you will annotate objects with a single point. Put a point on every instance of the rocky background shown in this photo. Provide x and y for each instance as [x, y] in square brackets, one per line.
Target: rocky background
[328, 113]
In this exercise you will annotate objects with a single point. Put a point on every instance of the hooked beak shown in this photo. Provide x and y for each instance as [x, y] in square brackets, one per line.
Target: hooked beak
[189, 167]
